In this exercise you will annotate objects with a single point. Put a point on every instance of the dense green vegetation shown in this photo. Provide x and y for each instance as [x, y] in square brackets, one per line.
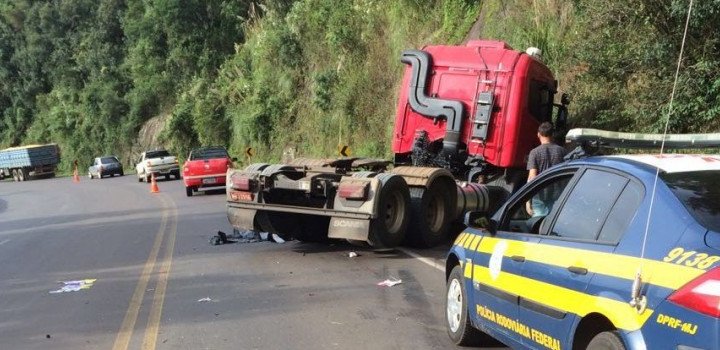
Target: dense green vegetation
[312, 74]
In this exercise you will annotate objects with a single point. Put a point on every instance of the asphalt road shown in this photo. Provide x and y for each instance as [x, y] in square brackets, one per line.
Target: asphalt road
[152, 264]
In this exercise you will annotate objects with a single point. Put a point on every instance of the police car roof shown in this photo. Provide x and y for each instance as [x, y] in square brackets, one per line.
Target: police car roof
[669, 163]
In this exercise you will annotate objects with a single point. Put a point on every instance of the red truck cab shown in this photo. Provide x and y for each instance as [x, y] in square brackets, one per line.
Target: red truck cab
[205, 168]
[477, 105]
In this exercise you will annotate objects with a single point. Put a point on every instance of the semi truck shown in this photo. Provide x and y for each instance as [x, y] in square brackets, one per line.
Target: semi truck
[466, 119]
[22, 163]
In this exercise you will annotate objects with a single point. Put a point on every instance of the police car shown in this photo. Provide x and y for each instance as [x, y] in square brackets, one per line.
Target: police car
[586, 257]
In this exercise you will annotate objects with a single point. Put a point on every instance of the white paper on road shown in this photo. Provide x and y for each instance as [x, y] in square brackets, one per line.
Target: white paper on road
[74, 286]
[389, 282]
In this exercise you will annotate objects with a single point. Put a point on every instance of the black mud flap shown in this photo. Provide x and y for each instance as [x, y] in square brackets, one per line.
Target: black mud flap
[241, 219]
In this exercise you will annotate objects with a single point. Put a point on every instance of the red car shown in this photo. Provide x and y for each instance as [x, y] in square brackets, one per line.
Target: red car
[205, 168]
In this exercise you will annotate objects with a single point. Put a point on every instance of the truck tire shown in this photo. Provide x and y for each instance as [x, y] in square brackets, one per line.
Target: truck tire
[22, 174]
[15, 175]
[284, 225]
[388, 229]
[458, 323]
[313, 229]
[432, 211]
[188, 191]
[606, 341]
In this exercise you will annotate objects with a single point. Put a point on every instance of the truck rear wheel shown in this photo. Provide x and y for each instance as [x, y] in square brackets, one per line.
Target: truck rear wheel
[312, 229]
[432, 213]
[387, 230]
[284, 225]
[15, 175]
[22, 174]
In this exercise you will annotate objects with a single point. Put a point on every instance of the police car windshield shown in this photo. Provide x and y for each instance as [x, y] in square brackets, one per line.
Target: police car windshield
[699, 191]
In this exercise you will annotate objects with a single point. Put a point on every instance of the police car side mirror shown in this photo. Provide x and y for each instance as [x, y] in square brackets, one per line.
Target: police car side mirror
[479, 219]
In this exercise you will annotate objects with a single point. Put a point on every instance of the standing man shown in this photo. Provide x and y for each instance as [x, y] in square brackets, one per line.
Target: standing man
[540, 159]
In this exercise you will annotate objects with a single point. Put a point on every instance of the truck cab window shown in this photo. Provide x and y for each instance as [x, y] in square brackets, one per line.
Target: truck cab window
[540, 100]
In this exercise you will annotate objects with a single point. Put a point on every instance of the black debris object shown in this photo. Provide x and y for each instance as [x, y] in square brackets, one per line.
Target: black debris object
[220, 238]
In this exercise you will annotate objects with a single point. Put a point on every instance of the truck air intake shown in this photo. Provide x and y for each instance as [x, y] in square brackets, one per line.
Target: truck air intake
[429, 107]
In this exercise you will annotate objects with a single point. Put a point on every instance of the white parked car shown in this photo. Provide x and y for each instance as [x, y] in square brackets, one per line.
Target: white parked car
[159, 163]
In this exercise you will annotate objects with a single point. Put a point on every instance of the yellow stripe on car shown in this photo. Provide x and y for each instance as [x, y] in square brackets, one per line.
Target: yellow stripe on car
[466, 243]
[659, 273]
[475, 242]
[619, 313]
[461, 238]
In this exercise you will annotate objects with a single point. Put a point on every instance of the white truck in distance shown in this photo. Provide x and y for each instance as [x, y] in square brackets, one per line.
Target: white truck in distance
[157, 163]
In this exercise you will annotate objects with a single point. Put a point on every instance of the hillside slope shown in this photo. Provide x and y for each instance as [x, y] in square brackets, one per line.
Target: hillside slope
[312, 74]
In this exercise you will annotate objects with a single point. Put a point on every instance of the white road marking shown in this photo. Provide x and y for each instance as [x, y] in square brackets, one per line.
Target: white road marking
[5, 241]
[424, 260]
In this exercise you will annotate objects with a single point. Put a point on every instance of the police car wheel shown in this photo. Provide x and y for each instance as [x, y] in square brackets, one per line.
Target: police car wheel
[456, 311]
[606, 341]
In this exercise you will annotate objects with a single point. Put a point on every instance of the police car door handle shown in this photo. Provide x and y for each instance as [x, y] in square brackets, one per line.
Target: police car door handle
[518, 258]
[578, 270]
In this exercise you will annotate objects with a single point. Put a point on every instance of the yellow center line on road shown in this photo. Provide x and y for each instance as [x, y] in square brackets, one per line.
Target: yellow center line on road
[153, 327]
[122, 340]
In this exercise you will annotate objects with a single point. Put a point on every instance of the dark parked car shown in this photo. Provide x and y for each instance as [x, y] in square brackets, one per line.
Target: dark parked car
[105, 166]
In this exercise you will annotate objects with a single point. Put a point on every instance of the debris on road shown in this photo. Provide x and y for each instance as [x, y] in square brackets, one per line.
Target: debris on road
[389, 282]
[352, 255]
[204, 300]
[74, 286]
[245, 236]
[220, 238]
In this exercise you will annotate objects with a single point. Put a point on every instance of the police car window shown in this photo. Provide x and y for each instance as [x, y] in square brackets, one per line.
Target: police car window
[622, 213]
[699, 191]
[526, 215]
[588, 204]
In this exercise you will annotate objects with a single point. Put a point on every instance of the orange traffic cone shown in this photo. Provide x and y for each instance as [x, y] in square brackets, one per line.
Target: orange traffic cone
[153, 185]
[76, 177]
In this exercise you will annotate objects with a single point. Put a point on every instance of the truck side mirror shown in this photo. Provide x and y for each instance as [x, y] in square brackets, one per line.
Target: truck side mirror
[234, 159]
[479, 219]
[565, 99]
